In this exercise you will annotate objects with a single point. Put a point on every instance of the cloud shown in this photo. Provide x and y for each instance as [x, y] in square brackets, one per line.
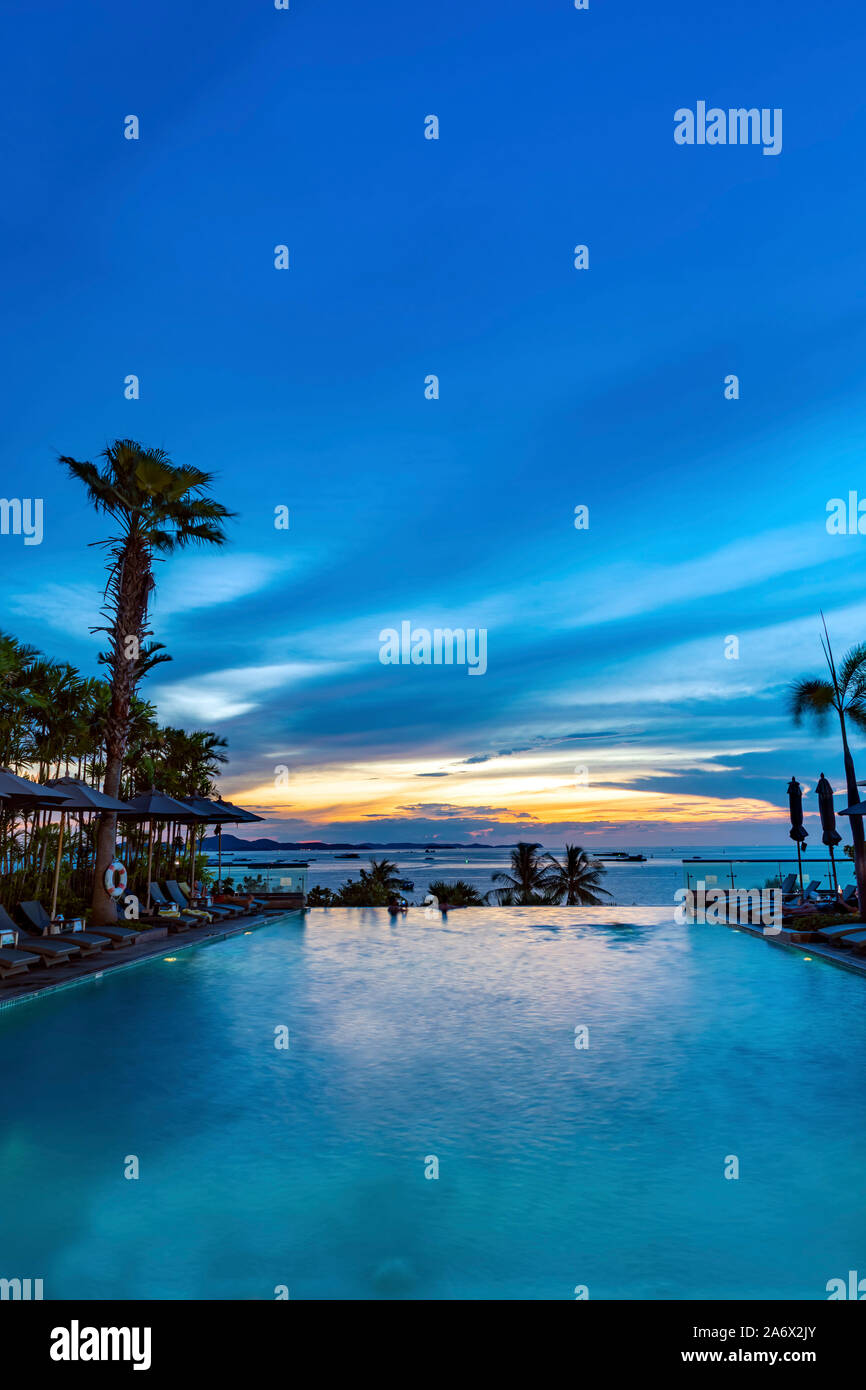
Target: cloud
[222, 695]
[190, 582]
[443, 811]
[72, 608]
[185, 584]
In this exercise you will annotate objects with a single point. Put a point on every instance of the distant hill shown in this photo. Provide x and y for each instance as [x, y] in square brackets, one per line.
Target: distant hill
[234, 842]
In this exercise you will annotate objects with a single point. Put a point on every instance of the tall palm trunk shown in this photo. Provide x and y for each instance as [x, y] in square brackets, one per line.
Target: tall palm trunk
[130, 587]
[103, 905]
[857, 835]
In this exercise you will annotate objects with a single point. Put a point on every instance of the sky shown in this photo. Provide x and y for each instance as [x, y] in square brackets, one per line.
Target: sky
[609, 711]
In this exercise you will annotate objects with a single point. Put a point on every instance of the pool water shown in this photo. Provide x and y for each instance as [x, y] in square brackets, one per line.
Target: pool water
[414, 1039]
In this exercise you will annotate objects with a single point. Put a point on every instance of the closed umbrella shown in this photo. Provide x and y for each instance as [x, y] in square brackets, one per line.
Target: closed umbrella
[831, 836]
[798, 831]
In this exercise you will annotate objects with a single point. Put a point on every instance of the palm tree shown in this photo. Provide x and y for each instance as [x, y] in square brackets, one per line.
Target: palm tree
[18, 667]
[816, 697]
[577, 879]
[525, 884]
[458, 894]
[383, 874]
[157, 508]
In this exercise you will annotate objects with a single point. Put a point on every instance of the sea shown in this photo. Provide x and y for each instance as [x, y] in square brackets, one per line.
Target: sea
[650, 882]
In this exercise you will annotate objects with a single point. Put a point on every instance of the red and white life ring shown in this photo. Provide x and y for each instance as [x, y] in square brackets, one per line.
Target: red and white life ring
[115, 879]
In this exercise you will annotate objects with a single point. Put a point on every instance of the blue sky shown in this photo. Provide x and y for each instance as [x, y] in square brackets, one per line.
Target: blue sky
[608, 706]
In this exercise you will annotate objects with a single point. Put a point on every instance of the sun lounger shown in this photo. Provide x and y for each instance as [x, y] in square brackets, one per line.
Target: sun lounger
[51, 952]
[810, 891]
[120, 936]
[175, 896]
[114, 937]
[226, 909]
[245, 901]
[13, 961]
[788, 885]
[837, 933]
[168, 913]
[799, 910]
[40, 924]
[851, 940]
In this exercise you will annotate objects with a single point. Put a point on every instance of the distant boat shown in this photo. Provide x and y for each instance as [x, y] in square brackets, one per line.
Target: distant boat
[619, 856]
[347, 856]
[405, 883]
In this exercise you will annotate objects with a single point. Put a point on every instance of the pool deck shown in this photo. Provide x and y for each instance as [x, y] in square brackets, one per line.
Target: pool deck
[153, 942]
[812, 949]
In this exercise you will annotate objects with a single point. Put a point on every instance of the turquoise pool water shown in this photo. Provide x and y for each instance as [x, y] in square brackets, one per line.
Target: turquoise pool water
[558, 1167]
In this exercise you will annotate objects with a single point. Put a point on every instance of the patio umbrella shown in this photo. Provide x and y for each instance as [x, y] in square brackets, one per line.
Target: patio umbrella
[797, 831]
[20, 794]
[239, 817]
[831, 836]
[238, 813]
[153, 806]
[202, 811]
[78, 797]
[30, 796]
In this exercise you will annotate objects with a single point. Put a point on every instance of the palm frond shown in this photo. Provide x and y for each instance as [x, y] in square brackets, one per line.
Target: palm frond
[812, 697]
[852, 668]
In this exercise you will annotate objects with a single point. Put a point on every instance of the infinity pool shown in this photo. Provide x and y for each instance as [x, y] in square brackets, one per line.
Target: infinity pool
[418, 1039]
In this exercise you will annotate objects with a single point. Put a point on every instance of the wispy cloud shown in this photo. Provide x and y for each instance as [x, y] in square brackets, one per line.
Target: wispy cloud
[224, 695]
[191, 582]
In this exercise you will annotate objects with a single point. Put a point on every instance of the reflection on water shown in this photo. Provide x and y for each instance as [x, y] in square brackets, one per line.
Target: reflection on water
[559, 1164]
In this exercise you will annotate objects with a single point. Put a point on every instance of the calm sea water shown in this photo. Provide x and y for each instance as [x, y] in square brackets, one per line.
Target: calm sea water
[418, 1038]
[644, 884]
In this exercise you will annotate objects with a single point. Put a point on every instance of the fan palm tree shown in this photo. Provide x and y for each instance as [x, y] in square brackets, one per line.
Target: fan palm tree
[577, 878]
[525, 884]
[156, 508]
[458, 894]
[817, 698]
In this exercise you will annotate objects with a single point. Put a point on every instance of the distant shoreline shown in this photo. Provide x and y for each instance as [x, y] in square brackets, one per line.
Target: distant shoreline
[231, 843]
